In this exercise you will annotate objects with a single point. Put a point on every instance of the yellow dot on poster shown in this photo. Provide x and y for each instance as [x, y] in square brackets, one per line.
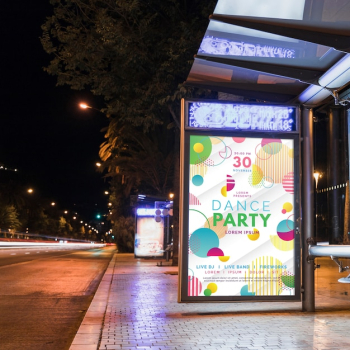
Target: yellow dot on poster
[198, 147]
[213, 287]
[224, 191]
[288, 207]
[291, 152]
[254, 236]
[223, 258]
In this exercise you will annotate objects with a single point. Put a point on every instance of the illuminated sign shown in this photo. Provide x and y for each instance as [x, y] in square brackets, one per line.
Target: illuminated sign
[239, 212]
[224, 47]
[146, 211]
[243, 117]
[241, 217]
[149, 239]
[152, 212]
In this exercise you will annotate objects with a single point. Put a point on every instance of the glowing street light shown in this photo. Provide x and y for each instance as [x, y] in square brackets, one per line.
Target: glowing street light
[30, 190]
[106, 192]
[84, 106]
[98, 164]
[171, 195]
[317, 176]
[53, 204]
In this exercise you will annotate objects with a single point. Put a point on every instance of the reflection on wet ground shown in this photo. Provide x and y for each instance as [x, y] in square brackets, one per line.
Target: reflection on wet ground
[143, 313]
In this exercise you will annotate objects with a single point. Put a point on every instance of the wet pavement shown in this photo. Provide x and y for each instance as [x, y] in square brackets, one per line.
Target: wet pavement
[135, 307]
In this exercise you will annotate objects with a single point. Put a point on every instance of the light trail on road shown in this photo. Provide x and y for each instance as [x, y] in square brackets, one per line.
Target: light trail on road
[70, 245]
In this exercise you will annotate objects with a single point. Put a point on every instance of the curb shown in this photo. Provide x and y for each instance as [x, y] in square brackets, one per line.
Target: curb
[89, 333]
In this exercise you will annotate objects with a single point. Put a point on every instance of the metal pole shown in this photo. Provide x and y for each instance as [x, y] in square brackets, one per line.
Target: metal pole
[308, 277]
[333, 176]
[338, 251]
[167, 238]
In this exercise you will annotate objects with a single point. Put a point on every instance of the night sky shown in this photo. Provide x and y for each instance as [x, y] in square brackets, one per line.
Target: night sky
[43, 133]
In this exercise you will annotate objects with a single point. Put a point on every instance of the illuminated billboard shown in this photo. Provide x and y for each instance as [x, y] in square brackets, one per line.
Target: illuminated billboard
[240, 116]
[239, 214]
[149, 239]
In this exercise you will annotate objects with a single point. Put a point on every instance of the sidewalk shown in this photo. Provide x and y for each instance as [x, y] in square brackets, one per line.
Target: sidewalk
[135, 307]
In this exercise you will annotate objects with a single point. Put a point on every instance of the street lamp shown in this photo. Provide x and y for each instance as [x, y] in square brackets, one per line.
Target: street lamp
[317, 176]
[84, 105]
[30, 190]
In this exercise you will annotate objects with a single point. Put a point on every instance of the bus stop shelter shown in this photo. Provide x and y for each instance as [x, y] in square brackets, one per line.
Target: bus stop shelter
[291, 52]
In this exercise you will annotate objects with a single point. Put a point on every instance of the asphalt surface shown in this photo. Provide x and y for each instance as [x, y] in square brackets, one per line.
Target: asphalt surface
[44, 294]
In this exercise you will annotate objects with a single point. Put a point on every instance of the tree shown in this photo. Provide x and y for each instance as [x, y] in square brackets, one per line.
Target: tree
[124, 236]
[133, 53]
[9, 218]
[136, 55]
[145, 159]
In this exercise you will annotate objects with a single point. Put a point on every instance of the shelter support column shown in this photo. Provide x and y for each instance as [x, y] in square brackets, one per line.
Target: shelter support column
[308, 276]
[333, 175]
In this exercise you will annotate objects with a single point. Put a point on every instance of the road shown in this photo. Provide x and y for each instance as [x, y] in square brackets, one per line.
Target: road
[44, 294]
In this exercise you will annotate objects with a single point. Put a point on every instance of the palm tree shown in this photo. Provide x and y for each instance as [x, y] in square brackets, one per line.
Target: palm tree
[141, 160]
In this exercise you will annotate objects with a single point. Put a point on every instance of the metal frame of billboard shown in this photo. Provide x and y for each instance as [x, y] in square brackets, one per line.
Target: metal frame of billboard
[216, 132]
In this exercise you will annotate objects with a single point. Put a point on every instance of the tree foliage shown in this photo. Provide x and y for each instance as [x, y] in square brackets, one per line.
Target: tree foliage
[144, 160]
[124, 229]
[9, 218]
[136, 55]
[133, 53]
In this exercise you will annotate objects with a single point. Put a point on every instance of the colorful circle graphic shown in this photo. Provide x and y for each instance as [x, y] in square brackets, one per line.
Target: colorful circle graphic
[268, 181]
[207, 292]
[254, 236]
[257, 175]
[197, 180]
[271, 146]
[224, 191]
[215, 252]
[288, 182]
[194, 287]
[287, 207]
[202, 240]
[199, 143]
[238, 139]
[198, 147]
[285, 230]
[213, 287]
[224, 258]
[288, 280]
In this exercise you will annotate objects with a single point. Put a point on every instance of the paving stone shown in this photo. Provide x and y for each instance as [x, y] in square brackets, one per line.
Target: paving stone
[142, 313]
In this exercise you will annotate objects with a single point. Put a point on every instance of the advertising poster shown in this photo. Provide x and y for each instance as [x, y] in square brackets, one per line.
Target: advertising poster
[240, 216]
[149, 239]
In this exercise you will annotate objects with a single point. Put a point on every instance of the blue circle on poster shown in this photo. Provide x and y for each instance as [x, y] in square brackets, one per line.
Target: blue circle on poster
[202, 240]
[197, 180]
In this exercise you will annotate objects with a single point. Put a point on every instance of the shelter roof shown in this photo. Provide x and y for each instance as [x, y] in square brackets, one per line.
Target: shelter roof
[290, 51]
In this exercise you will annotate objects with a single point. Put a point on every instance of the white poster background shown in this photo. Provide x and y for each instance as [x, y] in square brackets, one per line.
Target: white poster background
[251, 263]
